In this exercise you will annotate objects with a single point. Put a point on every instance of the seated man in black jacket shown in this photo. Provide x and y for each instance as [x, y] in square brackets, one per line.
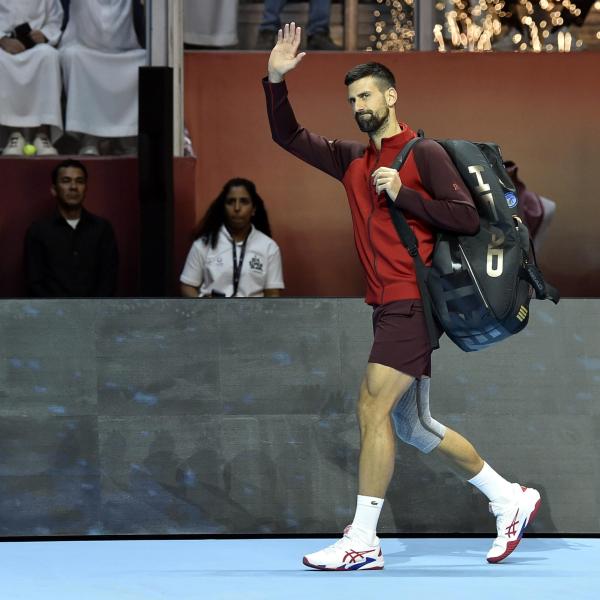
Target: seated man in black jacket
[72, 253]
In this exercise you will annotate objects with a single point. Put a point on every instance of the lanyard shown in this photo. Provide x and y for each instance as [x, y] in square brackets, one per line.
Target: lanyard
[237, 266]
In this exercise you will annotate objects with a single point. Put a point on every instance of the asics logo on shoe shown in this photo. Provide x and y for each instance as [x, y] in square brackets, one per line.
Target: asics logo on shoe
[512, 528]
[353, 555]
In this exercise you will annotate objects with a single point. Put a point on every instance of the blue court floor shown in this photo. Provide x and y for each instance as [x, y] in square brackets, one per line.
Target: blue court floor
[420, 569]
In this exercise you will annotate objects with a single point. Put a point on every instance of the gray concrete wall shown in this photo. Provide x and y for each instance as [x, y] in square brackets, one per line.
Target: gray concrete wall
[236, 416]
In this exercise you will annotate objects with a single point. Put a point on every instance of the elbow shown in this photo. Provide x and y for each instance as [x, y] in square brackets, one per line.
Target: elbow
[278, 140]
[472, 222]
[474, 228]
[282, 141]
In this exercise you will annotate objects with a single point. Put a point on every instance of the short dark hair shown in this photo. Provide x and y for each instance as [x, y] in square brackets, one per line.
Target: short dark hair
[65, 164]
[372, 69]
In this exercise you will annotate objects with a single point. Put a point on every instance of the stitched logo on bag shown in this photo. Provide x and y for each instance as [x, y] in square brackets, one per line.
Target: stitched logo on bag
[511, 199]
[256, 264]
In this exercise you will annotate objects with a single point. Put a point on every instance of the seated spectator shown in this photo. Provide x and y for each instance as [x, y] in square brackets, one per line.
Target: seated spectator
[72, 253]
[317, 29]
[233, 254]
[30, 85]
[210, 24]
[100, 57]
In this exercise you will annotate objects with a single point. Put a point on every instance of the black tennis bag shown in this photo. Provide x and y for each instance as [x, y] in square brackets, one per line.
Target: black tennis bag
[478, 286]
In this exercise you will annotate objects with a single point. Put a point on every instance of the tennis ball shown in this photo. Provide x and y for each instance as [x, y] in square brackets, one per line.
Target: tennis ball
[29, 150]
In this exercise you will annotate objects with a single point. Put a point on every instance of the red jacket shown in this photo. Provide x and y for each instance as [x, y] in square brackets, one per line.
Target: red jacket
[433, 195]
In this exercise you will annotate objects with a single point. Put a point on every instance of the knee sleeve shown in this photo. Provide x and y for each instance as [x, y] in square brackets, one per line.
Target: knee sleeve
[412, 419]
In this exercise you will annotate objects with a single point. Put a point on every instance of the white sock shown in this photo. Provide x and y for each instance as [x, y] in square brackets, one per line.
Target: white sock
[494, 486]
[367, 514]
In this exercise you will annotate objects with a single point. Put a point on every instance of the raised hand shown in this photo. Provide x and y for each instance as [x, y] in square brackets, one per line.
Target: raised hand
[284, 56]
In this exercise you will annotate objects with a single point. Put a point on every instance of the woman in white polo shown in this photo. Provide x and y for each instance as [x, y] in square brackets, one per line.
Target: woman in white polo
[233, 254]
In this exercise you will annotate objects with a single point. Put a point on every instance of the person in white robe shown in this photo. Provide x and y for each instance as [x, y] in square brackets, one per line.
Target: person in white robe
[211, 23]
[30, 81]
[100, 57]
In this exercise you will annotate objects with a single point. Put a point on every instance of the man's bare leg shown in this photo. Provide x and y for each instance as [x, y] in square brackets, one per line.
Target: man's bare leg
[380, 390]
[460, 453]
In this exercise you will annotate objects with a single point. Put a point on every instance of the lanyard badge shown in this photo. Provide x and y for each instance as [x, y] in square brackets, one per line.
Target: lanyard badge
[237, 266]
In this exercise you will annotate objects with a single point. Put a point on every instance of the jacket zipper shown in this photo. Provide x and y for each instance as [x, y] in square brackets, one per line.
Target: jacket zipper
[369, 229]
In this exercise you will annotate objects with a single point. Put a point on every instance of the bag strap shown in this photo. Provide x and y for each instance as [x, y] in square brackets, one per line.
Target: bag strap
[543, 290]
[409, 240]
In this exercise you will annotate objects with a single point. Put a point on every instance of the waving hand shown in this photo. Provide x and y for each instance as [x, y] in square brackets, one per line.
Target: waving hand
[284, 56]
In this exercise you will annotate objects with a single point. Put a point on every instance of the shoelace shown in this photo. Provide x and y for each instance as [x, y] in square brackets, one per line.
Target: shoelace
[339, 543]
[344, 539]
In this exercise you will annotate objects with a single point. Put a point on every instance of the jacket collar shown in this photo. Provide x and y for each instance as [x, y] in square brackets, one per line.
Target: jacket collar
[395, 142]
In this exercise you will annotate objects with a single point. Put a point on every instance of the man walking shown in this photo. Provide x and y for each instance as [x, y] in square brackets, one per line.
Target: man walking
[433, 197]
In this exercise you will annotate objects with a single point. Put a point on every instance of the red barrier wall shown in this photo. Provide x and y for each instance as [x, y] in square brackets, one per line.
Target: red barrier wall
[541, 109]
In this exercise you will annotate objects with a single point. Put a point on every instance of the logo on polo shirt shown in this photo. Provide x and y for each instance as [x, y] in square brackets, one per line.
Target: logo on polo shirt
[256, 264]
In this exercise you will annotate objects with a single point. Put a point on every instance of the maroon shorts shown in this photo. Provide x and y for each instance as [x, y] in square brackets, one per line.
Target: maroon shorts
[400, 338]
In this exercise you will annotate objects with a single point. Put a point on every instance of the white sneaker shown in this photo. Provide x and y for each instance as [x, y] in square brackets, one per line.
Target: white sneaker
[89, 145]
[43, 145]
[512, 518]
[14, 145]
[347, 554]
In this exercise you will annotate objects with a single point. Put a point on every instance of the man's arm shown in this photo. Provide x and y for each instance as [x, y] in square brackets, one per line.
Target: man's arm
[51, 30]
[106, 285]
[332, 157]
[451, 207]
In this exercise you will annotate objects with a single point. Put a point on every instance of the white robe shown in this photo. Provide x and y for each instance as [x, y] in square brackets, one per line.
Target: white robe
[30, 82]
[100, 57]
[210, 22]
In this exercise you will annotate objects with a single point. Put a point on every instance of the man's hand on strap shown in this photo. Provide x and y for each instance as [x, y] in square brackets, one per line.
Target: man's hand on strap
[388, 180]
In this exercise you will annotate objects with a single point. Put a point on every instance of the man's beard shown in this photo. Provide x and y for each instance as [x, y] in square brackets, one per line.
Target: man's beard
[373, 123]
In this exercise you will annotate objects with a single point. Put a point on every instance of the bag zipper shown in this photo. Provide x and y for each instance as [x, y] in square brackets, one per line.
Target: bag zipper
[473, 276]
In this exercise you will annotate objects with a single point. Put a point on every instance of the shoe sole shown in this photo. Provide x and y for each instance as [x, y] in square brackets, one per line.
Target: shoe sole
[356, 568]
[512, 546]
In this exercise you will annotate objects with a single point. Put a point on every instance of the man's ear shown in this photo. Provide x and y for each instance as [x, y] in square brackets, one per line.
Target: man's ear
[391, 96]
[53, 191]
